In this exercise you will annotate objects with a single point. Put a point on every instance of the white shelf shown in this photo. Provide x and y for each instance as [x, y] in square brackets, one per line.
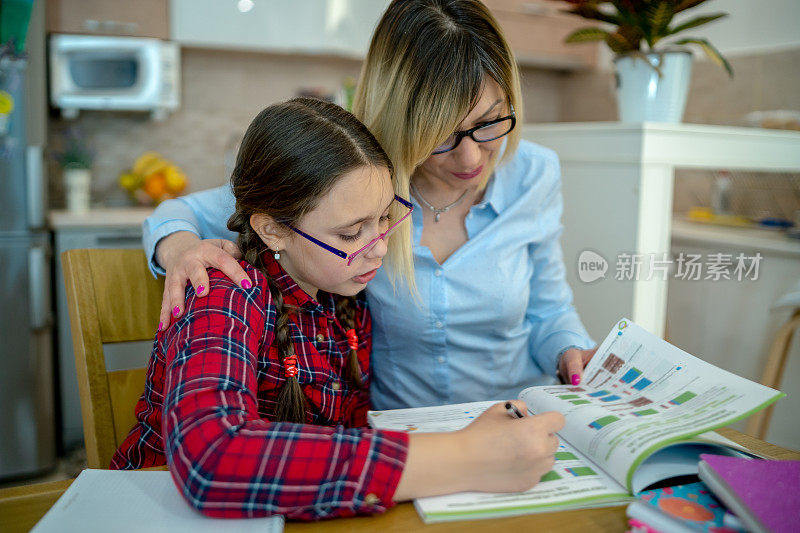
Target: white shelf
[676, 145]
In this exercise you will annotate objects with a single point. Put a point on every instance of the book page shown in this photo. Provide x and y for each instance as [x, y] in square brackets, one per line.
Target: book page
[640, 393]
[574, 482]
[135, 501]
[428, 419]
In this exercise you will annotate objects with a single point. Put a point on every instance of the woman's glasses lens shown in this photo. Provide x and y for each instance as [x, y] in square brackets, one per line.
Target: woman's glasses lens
[486, 133]
[491, 132]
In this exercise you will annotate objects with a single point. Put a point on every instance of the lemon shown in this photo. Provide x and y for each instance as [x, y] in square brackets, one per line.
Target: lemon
[129, 181]
[144, 161]
[175, 178]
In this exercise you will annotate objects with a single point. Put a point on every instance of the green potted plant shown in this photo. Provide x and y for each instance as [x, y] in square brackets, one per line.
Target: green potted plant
[653, 70]
[76, 163]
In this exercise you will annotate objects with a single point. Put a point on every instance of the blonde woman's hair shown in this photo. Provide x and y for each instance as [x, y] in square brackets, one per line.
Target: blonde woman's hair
[425, 69]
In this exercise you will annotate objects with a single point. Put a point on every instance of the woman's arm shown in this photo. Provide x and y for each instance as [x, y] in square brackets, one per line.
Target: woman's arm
[556, 324]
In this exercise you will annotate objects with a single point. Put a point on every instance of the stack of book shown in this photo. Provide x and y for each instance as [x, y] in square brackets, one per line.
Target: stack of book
[735, 494]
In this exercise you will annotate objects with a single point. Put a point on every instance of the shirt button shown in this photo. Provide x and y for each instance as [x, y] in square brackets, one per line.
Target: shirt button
[438, 272]
[371, 499]
[336, 385]
[440, 359]
[439, 325]
[320, 337]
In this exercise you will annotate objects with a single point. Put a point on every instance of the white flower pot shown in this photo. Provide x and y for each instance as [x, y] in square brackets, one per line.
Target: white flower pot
[646, 95]
[77, 182]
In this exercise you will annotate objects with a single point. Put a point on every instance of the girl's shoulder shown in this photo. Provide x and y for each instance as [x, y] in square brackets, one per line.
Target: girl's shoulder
[221, 284]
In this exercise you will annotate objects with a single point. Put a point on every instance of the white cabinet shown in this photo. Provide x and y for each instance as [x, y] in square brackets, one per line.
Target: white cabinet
[617, 184]
[330, 27]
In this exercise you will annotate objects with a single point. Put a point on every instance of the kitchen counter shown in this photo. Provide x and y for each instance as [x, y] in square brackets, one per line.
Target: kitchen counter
[743, 239]
[105, 217]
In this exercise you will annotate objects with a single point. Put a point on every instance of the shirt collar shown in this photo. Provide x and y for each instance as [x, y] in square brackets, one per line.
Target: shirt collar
[293, 294]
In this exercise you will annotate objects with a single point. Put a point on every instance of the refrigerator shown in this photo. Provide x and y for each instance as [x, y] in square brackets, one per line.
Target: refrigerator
[27, 418]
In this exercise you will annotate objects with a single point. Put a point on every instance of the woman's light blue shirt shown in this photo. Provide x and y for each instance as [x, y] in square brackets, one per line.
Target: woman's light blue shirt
[491, 320]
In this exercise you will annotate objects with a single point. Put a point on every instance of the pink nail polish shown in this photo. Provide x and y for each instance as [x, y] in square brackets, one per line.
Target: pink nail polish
[576, 379]
[246, 284]
[200, 289]
[176, 311]
[160, 325]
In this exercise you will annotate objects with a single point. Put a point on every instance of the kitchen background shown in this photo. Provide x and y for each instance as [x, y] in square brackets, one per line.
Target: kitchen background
[237, 57]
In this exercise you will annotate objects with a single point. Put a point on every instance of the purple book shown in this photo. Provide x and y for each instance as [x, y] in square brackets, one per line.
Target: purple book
[765, 495]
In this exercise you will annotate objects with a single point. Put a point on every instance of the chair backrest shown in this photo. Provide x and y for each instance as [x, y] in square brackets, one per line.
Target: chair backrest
[112, 297]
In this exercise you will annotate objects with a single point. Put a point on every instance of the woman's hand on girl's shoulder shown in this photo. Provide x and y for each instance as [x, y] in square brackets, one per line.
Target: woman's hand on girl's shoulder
[185, 257]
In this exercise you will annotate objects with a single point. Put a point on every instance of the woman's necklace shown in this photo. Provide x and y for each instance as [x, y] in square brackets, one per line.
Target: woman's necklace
[437, 211]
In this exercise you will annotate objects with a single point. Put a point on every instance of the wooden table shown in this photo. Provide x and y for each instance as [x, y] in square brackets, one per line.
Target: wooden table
[22, 507]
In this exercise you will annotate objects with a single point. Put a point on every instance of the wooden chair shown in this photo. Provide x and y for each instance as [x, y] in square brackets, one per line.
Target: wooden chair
[112, 297]
[758, 424]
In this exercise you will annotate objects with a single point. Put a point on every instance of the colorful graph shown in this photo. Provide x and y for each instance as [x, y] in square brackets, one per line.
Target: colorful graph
[550, 476]
[568, 396]
[599, 393]
[631, 375]
[613, 363]
[579, 471]
[640, 401]
[685, 397]
[645, 412]
[604, 421]
[641, 384]
[565, 456]
[579, 402]
[610, 398]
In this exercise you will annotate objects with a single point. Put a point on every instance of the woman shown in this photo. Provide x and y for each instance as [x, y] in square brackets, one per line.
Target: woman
[488, 311]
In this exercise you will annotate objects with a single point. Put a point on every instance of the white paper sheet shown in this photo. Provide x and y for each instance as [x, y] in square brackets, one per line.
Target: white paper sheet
[135, 501]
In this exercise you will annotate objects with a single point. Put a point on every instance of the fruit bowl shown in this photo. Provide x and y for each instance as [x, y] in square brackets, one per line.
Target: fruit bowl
[153, 179]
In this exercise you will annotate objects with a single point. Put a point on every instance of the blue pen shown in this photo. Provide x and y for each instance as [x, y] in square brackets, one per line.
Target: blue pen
[512, 410]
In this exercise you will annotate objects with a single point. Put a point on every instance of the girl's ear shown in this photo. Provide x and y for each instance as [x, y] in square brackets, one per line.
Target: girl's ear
[270, 232]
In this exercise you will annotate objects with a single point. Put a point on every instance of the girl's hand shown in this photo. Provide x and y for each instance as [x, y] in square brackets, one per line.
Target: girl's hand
[511, 454]
[185, 256]
[572, 363]
[496, 453]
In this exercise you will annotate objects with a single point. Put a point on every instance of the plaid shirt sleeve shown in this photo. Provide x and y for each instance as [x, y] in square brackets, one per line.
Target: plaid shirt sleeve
[229, 462]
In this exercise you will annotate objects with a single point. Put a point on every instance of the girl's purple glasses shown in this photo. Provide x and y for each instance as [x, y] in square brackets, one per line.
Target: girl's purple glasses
[370, 244]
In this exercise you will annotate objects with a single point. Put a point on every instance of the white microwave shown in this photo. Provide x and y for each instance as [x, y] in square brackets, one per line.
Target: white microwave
[114, 73]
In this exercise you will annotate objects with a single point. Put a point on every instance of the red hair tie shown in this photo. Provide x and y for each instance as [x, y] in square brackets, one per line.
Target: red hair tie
[352, 339]
[290, 366]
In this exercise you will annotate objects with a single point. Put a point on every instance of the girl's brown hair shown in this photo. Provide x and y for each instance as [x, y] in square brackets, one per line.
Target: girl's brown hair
[290, 157]
[424, 71]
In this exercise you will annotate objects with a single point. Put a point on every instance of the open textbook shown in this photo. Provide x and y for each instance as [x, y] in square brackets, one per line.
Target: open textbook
[642, 414]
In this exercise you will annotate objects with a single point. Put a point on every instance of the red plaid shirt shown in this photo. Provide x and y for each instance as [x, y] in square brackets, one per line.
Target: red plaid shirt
[211, 390]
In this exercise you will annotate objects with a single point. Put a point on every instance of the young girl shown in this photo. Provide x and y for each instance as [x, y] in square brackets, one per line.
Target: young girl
[257, 396]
